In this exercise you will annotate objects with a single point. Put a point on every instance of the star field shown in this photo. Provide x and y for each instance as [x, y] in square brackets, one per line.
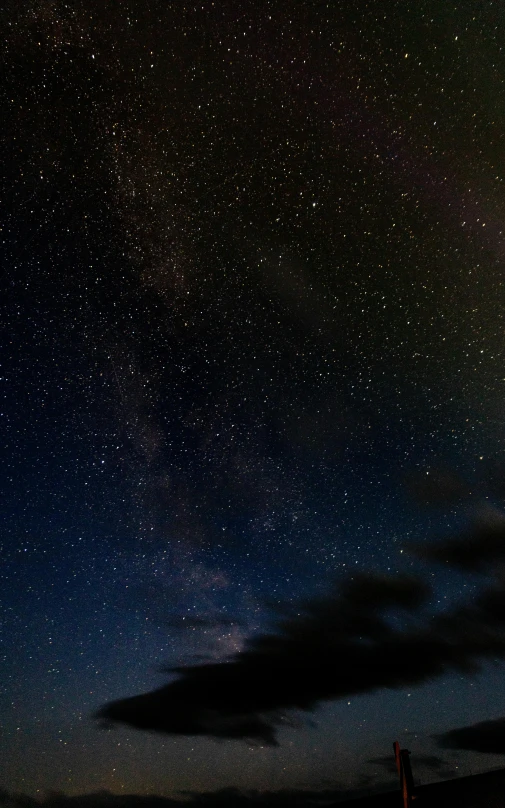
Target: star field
[252, 262]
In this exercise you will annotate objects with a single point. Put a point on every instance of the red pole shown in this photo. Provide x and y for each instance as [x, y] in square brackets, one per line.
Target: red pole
[402, 760]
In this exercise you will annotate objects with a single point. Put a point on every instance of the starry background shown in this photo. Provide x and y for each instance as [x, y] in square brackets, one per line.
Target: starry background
[252, 259]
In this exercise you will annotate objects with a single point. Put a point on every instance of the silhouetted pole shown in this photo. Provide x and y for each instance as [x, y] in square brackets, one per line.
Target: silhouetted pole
[406, 780]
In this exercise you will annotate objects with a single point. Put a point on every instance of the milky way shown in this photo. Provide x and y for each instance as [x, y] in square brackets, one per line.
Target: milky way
[252, 296]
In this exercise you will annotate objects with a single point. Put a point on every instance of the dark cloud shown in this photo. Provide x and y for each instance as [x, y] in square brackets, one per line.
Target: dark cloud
[432, 762]
[487, 736]
[331, 648]
[482, 543]
[387, 763]
[437, 487]
[374, 633]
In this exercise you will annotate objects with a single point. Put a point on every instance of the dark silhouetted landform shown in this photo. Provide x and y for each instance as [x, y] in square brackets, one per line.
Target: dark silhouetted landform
[478, 791]
[224, 798]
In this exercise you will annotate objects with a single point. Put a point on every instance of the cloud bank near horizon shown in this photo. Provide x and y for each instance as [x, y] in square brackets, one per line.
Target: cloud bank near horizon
[344, 644]
[486, 736]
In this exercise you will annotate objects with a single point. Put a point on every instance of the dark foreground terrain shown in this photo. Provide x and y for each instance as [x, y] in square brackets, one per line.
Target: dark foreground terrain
[465, 792]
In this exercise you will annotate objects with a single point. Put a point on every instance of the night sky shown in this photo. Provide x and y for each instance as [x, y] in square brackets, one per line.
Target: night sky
[252, 299]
